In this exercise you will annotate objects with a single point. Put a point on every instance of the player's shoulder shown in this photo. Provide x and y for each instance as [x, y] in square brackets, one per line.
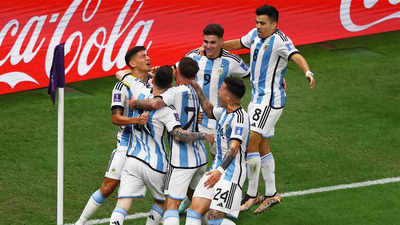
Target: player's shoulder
[230, 56]
[240, 115]
[192, 53]
[281, 36]
[119, 86]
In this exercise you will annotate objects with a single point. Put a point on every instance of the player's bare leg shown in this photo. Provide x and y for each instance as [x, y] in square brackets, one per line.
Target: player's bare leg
[171, 214]
[96, 200]
[253, 171]
[120, 211]
[271, 196]
[198, 208]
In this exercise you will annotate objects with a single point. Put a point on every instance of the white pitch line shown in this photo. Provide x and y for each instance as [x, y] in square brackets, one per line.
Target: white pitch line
[288, 194]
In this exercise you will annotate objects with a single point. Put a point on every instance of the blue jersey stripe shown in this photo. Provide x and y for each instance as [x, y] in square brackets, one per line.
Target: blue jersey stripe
[225, 69]
[183, 155]
[206, 84]
[283, 98]
[263, 70]
[231, 168]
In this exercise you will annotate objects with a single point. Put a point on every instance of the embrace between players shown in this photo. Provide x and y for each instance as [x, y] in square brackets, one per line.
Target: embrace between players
[204, 105]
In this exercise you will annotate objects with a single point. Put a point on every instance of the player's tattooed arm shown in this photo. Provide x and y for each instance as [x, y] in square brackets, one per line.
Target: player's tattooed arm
[120, 120]
[206, 105]
[147, 104]
[182, 135]
[215, 175]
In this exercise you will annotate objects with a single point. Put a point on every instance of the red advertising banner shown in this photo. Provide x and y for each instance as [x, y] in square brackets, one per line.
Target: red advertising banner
[97, 33]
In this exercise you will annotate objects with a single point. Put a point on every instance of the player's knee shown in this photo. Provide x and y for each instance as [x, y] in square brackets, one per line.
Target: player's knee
[108, 187]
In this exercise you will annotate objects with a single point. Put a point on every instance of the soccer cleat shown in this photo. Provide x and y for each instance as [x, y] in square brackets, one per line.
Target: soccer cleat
[268, 202]
[248, 202]
[184, 205]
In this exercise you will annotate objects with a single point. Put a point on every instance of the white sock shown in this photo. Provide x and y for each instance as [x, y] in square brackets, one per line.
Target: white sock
[94, 202]
[253, 172]
[222, 221]
[171, 217]
[268, 172]
[193, 217]
[155, 216]
[118, 216]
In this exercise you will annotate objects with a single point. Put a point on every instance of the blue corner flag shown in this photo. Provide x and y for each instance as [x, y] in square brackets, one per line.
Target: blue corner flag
[57, 72]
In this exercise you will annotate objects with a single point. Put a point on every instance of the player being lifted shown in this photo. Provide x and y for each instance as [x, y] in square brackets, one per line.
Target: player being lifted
[220, 190]
[270, 51]
[147, 162]
[139, 63]
[186, 159]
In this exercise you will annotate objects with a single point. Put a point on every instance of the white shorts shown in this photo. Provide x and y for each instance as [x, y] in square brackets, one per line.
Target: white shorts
[213, 147]
[225, 196]
[135, 176]
[263, 119]
[116, 163]
[178, 180]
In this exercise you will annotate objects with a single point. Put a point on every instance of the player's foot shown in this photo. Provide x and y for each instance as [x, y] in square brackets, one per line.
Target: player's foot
[79, 222]
[184, 205]
[268, 202]
[248, 202]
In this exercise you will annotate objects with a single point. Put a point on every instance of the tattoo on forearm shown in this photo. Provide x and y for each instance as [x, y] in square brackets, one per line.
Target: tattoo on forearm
[145, 104]
[115, 111]
[187, 136]
[206, 105]
[228, 158]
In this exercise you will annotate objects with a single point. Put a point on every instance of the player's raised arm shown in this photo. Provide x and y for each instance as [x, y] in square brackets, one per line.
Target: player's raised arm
[182, 135]
[233, 44]
[302, 63]
[215, 175]
[206, 105]
[120, 120]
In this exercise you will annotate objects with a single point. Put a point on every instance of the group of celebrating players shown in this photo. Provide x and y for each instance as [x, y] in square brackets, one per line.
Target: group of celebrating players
[204, 105]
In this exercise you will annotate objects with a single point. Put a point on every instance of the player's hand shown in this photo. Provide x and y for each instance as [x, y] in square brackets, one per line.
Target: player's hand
[284, 85]
[210, 138]
[213, 178]
[201, 50]
[310, 78]
[143, 118]
[153, 71]
[120, 74]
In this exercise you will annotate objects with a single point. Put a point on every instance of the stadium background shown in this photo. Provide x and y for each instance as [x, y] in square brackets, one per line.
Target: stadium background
[344, 131]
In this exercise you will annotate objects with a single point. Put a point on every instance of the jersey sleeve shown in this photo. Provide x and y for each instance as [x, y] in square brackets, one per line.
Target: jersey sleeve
[120, 96]
[238, 128]
[217, 112]
[169, 96]
[240, 68]
[169, 118]
[286, 47]
[247, 39]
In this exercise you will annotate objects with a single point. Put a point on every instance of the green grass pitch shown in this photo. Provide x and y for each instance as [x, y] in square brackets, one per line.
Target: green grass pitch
[346, 130]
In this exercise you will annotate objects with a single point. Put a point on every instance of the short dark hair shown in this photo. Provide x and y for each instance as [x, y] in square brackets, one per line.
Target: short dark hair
[214, 29]
[235, 86]
[188, 68]
[132, 52]
[163, 77]
[268, 10]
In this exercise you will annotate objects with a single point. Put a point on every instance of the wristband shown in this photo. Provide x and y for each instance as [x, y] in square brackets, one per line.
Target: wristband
[220, 169]
[309, 73]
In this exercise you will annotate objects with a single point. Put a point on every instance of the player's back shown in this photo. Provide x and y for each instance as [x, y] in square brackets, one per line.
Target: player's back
[184, 100]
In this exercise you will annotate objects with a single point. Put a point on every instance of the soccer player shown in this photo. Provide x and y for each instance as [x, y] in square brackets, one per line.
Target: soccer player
[147, 162]
[270, 51]
[186, 160]
[220, 189]
[139, 63]
[215, 64]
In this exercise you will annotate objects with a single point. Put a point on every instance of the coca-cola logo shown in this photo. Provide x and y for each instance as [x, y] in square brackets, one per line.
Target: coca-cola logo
[30, 39]
[346, 19]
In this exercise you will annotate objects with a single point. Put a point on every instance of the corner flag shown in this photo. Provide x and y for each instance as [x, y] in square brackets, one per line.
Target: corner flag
[57, 72]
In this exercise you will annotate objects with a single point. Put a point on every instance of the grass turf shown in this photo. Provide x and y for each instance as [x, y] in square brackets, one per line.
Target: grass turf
[344, 131]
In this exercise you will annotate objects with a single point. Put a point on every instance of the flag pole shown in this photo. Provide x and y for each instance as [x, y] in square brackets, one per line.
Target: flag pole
[60, 158]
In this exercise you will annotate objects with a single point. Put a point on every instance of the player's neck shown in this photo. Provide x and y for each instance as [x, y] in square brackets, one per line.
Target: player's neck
[141, 75]
[231, 107]
[183, 82]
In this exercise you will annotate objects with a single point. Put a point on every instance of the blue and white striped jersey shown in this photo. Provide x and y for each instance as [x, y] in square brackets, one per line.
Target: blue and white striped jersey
[232, 126]
[268, 63]
[184, 100]
[147, 144]
[212, 73]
